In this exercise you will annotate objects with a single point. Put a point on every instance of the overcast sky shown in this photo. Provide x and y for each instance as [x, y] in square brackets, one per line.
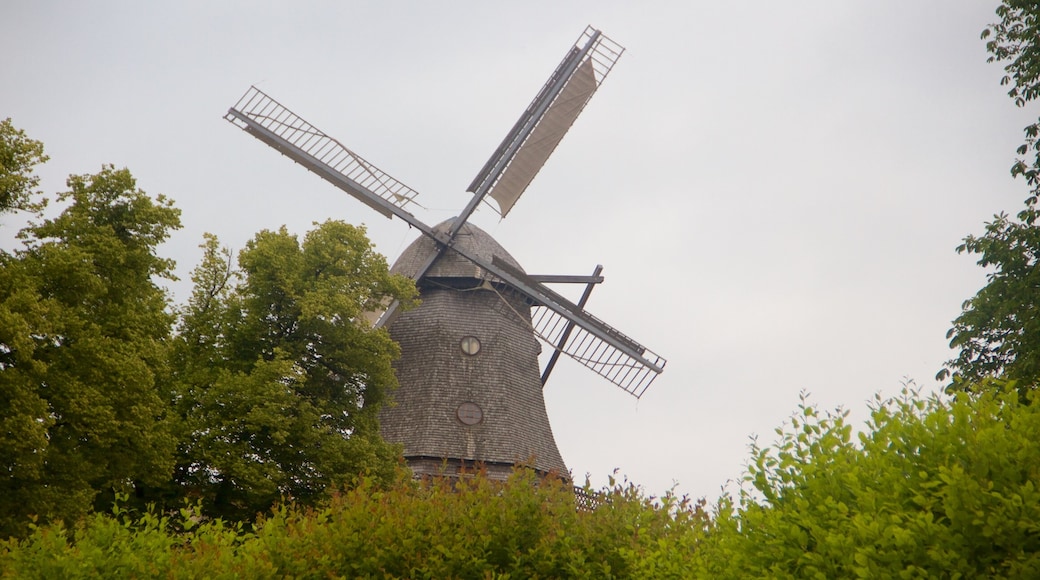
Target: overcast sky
[774, 189]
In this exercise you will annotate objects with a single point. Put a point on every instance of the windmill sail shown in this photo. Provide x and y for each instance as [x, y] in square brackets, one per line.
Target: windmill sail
[546, 120]
[590, 341]
[267, 120]
[634, 374]
[546, 136]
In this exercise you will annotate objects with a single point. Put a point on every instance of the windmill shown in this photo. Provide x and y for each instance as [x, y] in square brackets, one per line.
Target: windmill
[470, 383]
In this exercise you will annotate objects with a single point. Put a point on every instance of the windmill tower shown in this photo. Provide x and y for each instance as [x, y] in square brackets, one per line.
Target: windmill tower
[470, 383]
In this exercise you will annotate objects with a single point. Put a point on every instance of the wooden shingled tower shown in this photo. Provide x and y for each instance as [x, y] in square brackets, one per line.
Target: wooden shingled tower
[469, 373]
[470, 379]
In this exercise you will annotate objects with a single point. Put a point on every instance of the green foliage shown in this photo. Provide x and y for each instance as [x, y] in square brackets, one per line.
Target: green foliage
[270, 387]
[470, 528]
[18, 156]
[278, 378]
[998, 331]
[82, 352]
[474, 528]
[933, 488]
[1014, 41]
[129, 544]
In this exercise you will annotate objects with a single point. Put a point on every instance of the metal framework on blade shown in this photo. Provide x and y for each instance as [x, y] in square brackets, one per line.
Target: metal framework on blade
[616, 357]
[546, 120]
[633, 374]
[267, 120]
[565, 326]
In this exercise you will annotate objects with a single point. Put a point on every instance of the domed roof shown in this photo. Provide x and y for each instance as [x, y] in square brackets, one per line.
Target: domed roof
[452, 264]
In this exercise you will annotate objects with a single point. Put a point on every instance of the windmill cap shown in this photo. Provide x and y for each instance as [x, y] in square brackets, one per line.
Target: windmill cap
[451, 264]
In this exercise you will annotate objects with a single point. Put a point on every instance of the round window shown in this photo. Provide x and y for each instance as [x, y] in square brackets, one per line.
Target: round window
[469, 414]
[470, 345]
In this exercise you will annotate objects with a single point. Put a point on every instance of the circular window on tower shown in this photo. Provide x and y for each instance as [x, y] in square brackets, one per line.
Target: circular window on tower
[469, 413]
[470, 345]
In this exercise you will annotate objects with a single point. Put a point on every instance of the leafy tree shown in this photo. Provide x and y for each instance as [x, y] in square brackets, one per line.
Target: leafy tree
[933, 488]
[278, 377]
[83, 327]
[998, 332]
[1016, 41]
[18, 155]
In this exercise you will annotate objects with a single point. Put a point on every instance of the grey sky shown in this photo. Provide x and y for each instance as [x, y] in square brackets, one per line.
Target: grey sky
[775, 189]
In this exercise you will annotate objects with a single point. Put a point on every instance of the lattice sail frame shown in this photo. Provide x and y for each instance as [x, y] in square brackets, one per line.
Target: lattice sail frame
[630, 365]
[541, 127]
[260, 115]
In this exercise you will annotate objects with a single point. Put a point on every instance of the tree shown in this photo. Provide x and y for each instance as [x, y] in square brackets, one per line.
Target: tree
[83, 328]
[1016, 41]
[998, 331]
[278, 376]
[18, 156]
[934, 487]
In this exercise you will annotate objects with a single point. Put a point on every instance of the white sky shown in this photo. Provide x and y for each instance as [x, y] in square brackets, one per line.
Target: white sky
[775, 189]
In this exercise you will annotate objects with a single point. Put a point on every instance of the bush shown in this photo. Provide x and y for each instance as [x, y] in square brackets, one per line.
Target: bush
[527, 527]
[935, 487]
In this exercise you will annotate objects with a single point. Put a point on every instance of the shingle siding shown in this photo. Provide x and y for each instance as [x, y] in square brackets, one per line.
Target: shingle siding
[436, 376]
